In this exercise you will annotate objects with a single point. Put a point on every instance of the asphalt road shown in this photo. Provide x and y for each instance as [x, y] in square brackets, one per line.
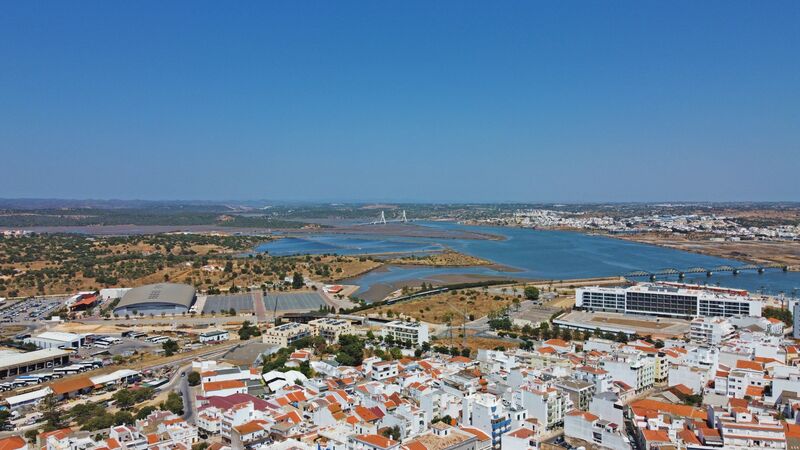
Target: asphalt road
[188, 398]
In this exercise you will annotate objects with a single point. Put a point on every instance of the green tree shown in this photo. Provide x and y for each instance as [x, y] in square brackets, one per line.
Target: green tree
[297, 280]
[193, 378]
[351, 350]
[174, 403]
[170, 347]
[144, 412]
[248, 330]
[123, 418]
[54, 419]
[532, 293]
[392, 433]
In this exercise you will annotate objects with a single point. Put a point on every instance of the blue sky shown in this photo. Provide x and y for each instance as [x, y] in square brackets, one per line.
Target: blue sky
[401, 101]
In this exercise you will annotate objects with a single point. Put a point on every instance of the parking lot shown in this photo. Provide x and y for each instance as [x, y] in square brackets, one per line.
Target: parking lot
[308, 301]
[220, 303]
[124, 346]
[31, 310]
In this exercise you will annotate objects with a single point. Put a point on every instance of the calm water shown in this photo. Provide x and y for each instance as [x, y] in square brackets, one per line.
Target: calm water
[346, 245]
[534, 254]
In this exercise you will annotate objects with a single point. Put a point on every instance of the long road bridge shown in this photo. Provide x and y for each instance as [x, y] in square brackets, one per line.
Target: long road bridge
[382, 220]
[681, 273]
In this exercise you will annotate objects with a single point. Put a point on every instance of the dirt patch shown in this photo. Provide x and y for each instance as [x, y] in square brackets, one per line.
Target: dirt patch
[452, 306]
[474, 343]
[633, 323]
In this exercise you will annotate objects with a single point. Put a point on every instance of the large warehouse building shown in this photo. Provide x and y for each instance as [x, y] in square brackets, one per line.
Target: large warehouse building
[15, 363]
[54, 339]
[168, 298]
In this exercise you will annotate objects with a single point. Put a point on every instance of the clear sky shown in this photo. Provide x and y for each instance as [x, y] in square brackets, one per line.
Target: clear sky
[401, 101]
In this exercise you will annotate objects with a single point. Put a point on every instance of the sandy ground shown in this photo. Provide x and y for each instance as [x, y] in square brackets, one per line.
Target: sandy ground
[474, 343]
[453, 305]
[756, 252]
[657, 327]
[447, 258]
[380, 291]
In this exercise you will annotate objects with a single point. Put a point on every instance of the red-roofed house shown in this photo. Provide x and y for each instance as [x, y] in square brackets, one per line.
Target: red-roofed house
[13, 443]
[371, 442]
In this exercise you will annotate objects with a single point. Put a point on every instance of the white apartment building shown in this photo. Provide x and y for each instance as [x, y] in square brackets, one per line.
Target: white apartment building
[742, 430]
[666, 300]
[384, 370]
[286, 334]
[633, 369]
[415, 333]
[591, 428]
[330, 328]
[545, 404]
[711, 330]
[487, 413]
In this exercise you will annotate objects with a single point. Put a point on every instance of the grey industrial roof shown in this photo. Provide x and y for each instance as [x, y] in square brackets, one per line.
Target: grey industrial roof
[160, 293]
[11, 360]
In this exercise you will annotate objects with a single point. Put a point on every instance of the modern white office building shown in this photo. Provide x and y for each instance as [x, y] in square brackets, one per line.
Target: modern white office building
[666, 301]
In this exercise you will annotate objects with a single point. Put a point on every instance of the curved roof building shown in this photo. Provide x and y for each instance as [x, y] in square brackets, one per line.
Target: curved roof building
[169, 298]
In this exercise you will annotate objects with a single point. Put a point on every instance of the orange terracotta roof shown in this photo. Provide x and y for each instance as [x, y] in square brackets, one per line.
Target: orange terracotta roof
[220, 385]
[792, 430]
[655, 435]
[522, 433]
[251, 427]
[737, 402]
[59, 434]
[12, 443]
[678, 410]
[688, 437]
[69, 385]
[376, 440]
[750, 365]
[754, 391]
[683, 389]
[460, 359]
[415, 445]
[365, 414]
[477, 433]
[557, 342]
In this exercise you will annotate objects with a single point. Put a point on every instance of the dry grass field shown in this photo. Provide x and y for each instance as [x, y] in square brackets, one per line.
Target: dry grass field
[474, 343]
[448, 258]
[453, 305]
